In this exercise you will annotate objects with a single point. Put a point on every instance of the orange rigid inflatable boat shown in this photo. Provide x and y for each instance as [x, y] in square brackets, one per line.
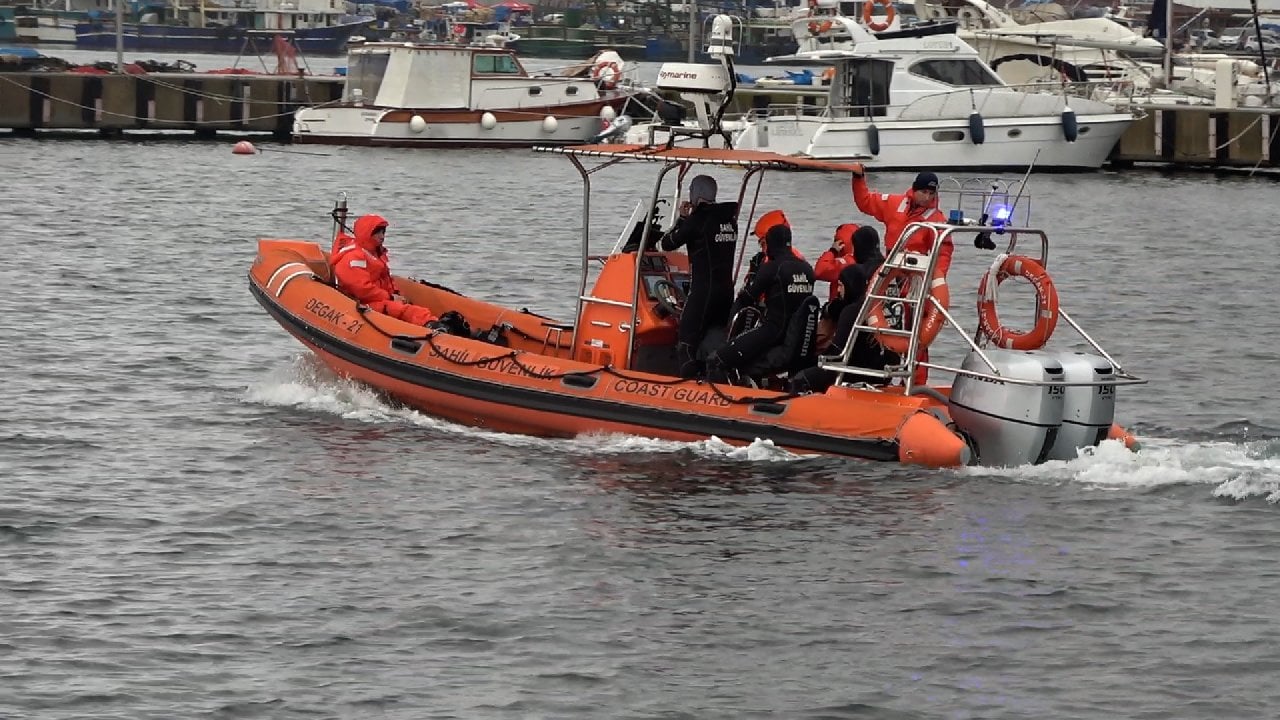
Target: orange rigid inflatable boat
[614, 369]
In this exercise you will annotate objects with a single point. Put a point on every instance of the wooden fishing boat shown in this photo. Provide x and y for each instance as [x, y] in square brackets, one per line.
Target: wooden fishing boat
[613, 368]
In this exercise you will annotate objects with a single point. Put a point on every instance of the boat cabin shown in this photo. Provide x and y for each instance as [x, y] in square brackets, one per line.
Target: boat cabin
[874, 72]
[443, 77]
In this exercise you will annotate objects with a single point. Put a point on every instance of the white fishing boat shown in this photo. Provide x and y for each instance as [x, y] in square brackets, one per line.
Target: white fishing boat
[447, 95]
[902, 98]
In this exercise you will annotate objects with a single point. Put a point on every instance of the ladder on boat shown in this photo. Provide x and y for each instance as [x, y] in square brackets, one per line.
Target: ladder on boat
[901, 287]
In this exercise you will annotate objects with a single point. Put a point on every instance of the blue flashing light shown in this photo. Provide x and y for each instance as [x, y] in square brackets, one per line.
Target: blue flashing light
[1000, 217]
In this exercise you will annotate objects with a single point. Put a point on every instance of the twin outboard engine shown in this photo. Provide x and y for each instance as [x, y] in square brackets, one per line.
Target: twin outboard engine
[1017, 424]
[1087, 410]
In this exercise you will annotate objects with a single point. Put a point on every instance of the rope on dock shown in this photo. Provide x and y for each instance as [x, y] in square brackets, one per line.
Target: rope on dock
[1239, 134]
[1270, 143]
[246, 119]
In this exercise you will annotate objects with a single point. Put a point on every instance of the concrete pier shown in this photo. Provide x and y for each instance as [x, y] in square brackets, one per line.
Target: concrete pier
[204, 104]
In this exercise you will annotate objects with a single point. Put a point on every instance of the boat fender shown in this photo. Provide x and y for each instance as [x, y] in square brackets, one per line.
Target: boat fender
[417, 123]
[1006, 266]
[977, 131]
[933, 320]
[873, 139]
[924, 439]
[1070, 127]
[488, 121]
[550, 124]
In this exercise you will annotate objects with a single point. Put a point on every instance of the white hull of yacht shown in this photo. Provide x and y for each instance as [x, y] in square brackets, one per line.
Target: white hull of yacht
[1010, 143]
[460, 128]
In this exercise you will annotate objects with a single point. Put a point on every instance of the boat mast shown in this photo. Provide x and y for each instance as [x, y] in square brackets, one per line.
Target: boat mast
[1262, 50]
[692, 7]
[1168, 43]
[119, 37]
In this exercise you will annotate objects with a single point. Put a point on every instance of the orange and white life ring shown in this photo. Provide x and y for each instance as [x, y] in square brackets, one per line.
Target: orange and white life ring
[1007, 266]
[817, 28]
[868, 7]
[933, 318]
[606, 74]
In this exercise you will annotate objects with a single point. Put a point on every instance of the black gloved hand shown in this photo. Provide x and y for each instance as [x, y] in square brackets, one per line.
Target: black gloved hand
[438, 326]
[983, 241]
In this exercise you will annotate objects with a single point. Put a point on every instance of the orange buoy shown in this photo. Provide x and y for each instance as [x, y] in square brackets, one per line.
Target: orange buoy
[933, 318]
[1124, 436]
[868, 8]
[1046, 304]
[244, 147]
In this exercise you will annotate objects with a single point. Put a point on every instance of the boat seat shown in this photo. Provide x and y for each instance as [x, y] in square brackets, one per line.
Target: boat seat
[798, 349]
[559, 329]
[322, 270]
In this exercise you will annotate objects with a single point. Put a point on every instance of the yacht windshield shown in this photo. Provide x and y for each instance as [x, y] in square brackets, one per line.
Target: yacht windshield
[364, 73]
[501, 64]
[956, 72]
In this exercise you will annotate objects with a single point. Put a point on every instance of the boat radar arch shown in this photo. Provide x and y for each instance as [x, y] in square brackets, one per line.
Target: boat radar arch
[707, 87]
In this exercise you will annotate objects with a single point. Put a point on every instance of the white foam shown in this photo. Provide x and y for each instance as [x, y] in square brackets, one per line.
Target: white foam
[1236, 470]
[307, 385]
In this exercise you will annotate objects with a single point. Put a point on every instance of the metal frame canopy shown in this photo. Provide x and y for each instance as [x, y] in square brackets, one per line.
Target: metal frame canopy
[724, 157]
[753, 162]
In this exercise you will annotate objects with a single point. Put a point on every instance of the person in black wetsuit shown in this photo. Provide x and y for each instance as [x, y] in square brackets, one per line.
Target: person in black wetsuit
[786, 281]
[855, 280]
[710, 232]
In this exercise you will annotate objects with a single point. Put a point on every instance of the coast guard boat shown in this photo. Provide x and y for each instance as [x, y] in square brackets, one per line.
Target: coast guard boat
[1013, 398]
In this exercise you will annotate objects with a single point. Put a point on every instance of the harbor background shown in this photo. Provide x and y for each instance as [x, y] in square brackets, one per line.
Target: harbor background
[201, 522]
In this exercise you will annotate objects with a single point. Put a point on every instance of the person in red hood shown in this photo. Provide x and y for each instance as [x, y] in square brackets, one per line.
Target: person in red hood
[836, 258]
[918, 204]
[360, 266]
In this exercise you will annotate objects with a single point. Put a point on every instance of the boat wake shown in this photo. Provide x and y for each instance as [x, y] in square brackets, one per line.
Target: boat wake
[306, 384]
[1235, 470]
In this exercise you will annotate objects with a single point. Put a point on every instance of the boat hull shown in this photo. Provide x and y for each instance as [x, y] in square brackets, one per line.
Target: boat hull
[532, 385]
[309, 41]
[1010, 143]
[356, 125]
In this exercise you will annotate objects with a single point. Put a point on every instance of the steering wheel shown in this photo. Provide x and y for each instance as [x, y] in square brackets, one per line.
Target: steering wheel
[668, 299]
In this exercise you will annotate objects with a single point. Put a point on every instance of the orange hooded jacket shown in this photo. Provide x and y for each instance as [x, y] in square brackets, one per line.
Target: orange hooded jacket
[360, 267]
[896, 213]
[831, 263]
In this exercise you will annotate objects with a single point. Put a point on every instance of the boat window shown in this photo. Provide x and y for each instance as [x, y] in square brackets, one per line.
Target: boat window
[502, 64]
[364, 73]
[864, 86]
[955, 72]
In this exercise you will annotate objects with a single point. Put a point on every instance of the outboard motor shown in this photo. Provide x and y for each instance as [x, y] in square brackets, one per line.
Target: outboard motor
[1009, 424]
[1087, 410]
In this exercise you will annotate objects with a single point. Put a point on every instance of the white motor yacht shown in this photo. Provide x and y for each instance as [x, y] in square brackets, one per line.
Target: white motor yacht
[904, 98]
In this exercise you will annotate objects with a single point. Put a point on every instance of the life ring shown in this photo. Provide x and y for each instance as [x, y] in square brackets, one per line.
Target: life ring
[868, 6]
[817, 28]
[606, 74]
[933, 317]
[1007, 266]
[459, 30]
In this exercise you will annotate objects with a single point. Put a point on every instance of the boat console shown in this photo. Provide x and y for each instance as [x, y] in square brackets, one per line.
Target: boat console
[659, 297]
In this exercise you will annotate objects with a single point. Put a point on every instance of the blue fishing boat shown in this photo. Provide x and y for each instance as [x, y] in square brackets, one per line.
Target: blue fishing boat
[313, 26]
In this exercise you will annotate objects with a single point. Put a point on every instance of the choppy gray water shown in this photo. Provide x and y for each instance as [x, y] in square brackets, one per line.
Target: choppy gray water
[197, 521]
